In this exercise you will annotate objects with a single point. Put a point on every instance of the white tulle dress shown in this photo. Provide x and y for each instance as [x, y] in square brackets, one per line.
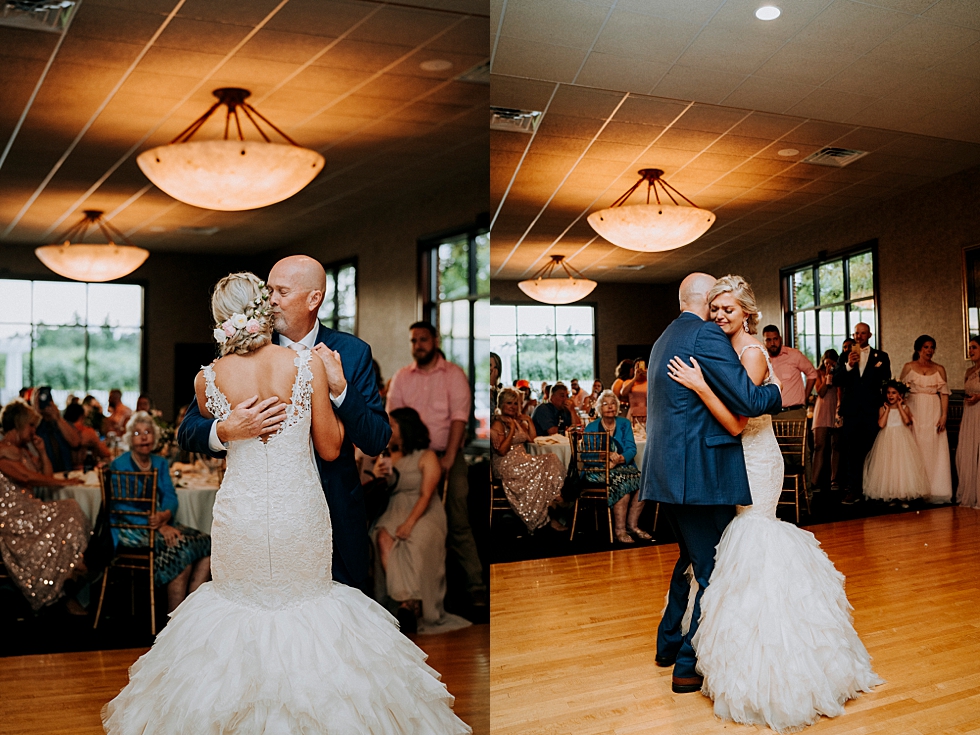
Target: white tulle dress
[776, 643]
[273, 645]
[893, 469]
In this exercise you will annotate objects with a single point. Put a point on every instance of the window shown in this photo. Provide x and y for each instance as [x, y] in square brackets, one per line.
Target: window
[455, 289]
[339, 308]
[76, 337]
[826, 299]
[543, 343]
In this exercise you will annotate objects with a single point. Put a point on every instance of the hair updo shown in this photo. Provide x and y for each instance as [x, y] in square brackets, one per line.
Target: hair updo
[920, 343]
[243, 316]
[742, 292]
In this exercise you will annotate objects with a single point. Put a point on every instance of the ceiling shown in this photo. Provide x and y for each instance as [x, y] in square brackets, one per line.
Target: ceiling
[711, 95]
[339, 76]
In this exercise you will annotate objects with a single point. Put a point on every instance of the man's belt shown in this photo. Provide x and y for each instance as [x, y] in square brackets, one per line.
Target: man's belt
[792, 408]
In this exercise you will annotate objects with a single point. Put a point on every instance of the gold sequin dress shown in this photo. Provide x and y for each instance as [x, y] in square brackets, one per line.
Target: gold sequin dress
[530, 482]
[40, 542]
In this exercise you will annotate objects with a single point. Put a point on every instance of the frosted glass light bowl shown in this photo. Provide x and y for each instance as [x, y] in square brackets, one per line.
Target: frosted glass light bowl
[92, 263]
[651, 228]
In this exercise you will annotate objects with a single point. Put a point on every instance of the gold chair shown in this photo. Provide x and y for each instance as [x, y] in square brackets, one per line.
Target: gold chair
[138, 491]
[498, 499]
[791, 437]
[593, 456]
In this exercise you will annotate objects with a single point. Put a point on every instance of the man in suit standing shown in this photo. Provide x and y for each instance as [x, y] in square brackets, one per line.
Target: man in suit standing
[692, 465]
[297, 284]
[860, 372]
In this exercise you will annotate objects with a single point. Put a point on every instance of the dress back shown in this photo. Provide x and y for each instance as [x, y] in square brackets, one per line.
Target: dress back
[763, 460]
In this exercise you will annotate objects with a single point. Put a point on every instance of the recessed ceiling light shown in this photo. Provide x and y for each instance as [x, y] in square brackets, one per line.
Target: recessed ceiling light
[788, 152]
[768, 12]
[158, 228]
[436, 65]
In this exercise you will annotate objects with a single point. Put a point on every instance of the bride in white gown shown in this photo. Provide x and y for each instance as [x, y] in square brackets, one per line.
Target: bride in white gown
[776, 643]
[273, 645]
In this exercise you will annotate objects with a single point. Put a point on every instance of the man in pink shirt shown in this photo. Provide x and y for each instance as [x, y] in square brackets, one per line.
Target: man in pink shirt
[440, 392]
[790, 366]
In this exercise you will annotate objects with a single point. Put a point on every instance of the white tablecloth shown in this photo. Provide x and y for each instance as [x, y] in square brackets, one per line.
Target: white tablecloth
[564, 451]
[195, 501]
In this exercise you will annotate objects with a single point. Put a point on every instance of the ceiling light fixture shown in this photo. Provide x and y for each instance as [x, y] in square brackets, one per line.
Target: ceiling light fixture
[436, 65]
[654, 226]
[230, 175]
[768, 12]
[788, 152]
[543, 286]
[92, 263]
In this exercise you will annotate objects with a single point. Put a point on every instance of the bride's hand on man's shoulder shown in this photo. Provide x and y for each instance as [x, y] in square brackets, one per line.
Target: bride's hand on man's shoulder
[690, 376]
[334, 367]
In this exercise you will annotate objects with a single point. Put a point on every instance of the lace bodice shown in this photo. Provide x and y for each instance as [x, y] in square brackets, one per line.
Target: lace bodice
[763, 460]
[972, 384]
[271, 537]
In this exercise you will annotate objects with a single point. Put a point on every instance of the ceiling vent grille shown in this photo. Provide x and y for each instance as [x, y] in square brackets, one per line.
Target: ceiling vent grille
[479, 74]
[38, 15]
[514, 121]
[836, 157]
[630, 267]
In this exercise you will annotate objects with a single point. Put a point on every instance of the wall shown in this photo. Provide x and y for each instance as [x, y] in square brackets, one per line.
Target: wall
[626, 314]
[921, 236]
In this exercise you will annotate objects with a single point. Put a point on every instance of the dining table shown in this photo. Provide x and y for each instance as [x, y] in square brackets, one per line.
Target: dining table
[564, 450]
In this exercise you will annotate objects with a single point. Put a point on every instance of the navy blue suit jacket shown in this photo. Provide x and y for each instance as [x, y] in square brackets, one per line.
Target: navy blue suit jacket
[690, 458]
[365, 425]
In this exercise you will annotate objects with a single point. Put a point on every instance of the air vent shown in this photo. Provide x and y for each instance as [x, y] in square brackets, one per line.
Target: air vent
[479, 74]
[630, 267]
[38, 15]
[836, 157]
[514, 121]
[197, 230]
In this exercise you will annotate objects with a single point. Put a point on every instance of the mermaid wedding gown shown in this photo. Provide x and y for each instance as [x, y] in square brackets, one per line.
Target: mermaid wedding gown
[273, 645]
[776, 643]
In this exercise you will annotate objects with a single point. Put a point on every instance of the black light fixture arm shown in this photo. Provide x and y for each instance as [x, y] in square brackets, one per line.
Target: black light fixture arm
[548, 268]
[652, 176]
[92, 218]
[233, 98]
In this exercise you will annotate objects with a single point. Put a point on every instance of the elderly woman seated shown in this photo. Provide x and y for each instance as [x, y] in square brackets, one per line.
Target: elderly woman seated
[624, 477]
[183, 555]
[41, 542]
[532, 483]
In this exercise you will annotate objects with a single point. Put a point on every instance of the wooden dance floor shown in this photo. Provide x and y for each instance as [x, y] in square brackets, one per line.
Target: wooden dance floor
[573, 638]
[63, 694]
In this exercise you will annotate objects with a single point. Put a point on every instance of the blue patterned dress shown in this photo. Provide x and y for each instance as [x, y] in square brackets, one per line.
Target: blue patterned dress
[625, 478]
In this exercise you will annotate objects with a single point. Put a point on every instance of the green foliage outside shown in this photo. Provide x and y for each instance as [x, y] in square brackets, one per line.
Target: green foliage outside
[861, 275]
[483, 263]
[454, 281]
[831, 277]
[113, 358]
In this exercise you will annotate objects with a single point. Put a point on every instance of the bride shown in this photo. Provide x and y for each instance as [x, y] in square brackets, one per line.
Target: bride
[273, 645]
[776, 643]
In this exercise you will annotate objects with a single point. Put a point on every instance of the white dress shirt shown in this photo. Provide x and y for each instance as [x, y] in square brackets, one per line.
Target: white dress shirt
[307, 343]
[862, 363]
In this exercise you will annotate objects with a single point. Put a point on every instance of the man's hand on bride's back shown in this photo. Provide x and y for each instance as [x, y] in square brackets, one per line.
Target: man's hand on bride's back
[250, 419]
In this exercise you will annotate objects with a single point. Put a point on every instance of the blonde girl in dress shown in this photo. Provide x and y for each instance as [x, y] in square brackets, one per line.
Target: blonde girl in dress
[893, 469]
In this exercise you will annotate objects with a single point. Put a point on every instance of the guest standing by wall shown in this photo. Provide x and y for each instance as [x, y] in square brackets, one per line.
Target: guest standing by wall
[968, 448]
[790, 365]
[929, 401]
[634, 391]
[624, 371]
[825, 451]
[860, 373]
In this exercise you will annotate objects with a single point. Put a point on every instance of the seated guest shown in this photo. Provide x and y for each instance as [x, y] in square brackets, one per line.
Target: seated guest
[411, 533]
[59, 437]
[118, 413]
[528, 402]
[624, 477]
[23, 458]
[93, 414]
[182, 560]
[555, 416]
[91, 449]
[494, 380]
[591, 401]
[143, 403]
[576, 395]
[532, 483]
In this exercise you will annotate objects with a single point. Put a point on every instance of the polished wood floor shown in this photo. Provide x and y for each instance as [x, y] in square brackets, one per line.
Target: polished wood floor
[63, 694]
[573, 638]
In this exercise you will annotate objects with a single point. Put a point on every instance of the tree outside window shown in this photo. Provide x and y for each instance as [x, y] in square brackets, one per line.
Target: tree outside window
[339, 308]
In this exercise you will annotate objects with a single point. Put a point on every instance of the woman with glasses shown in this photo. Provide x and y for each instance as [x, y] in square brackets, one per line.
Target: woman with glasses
[182, 560]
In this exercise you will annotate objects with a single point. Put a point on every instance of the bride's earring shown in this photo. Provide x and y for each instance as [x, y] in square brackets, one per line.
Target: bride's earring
[745, 325]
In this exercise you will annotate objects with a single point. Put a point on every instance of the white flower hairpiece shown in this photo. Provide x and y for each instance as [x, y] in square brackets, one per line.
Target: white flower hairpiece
[248, 321]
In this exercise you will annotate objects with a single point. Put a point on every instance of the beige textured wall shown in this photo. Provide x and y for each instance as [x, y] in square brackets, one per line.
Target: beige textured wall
[921, 236]
[626, 314]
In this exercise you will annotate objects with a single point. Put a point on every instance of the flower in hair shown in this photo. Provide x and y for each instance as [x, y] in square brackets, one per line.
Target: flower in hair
[238, 321]
[220, 336]
[228, 327]
[253, 326]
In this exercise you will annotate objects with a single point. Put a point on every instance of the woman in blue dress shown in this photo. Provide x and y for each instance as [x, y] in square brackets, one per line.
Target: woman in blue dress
[624, 477]
[182, 560]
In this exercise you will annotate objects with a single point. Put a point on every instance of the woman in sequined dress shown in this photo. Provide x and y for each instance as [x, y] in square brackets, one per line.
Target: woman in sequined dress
[532, 483]
[41, 543]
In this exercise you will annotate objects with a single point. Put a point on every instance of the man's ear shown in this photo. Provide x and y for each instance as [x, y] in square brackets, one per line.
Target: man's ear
[314, 299]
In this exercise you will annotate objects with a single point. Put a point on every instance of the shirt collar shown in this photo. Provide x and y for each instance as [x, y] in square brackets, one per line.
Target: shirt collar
[308, 341]
[437, 364]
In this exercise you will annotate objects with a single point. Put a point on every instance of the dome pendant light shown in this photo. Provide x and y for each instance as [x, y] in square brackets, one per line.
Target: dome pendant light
[654, 226]
[92, 263]
[231, 175]
[543, 287]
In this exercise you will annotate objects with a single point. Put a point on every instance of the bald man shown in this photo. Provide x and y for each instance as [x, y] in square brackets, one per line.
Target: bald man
[297, 284]
[692, 465]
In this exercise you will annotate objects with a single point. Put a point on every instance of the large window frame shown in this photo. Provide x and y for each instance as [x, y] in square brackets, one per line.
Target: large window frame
[335, 318]
[822, 331]
[474, 357]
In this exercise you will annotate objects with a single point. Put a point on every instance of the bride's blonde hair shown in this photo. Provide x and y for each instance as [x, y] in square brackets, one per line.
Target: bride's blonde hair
[243, 315]
[742, 292]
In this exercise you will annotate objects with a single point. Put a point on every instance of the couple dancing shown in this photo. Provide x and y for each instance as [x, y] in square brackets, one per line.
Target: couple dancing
[282, 642]
[771, 639]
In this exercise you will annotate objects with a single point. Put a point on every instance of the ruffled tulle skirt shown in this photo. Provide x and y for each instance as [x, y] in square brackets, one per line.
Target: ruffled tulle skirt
[894, 469]
[332, 664]
[776, 644]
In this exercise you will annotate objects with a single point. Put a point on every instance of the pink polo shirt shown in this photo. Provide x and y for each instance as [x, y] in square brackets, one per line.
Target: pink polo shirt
[790, 366]
[441, 395]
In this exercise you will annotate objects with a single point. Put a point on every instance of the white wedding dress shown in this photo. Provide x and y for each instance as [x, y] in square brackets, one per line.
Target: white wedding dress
[273, 645]
[776, 643]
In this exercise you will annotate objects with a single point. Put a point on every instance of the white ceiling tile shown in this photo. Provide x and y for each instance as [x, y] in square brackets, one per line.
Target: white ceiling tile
[804, 64]
[726, 49]
[538, 61]
[852, 27]
[964, 13]
[560, 22]
[767, 95]
[645, 37]
[869, 76]
[966, 63]
[829, 104]
[689, 11]
[621, 73]
[701, 85]
[924, 43]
